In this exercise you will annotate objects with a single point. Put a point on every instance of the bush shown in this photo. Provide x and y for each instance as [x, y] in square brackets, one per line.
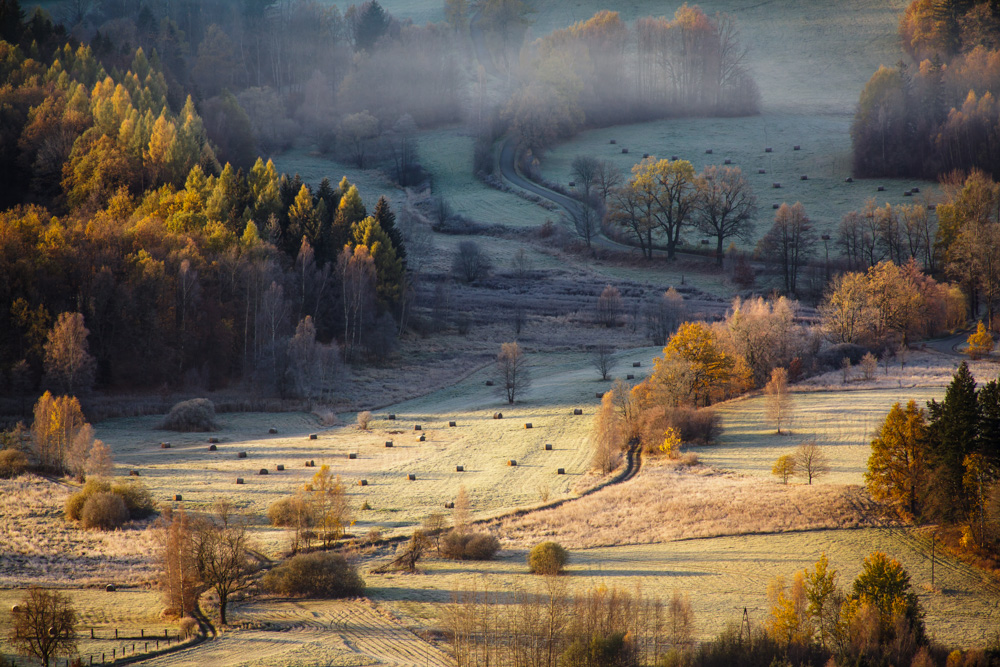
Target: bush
[12, 463]
[317, 575]
[833, 356]
[699, 427]
[291, 511]
[134, 495]
[198, 414]
[469, 546]
[547, 558]
[104, 511]
[364, 420]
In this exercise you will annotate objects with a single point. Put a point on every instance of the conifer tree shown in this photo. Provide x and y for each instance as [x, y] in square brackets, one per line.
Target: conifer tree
[388, 266]
[387, 220]
[951, 434]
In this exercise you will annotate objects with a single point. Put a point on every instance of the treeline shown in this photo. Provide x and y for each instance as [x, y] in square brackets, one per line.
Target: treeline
[940, 114]
[601, 71]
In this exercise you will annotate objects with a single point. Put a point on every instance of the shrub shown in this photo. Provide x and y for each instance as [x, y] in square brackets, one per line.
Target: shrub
[469, 546]
[12, 463]
[134, 495]
[104, 511]
[317, 575]
[187, 626]
[364, 420]
[291, 511]
[547, 558]
[197, 414]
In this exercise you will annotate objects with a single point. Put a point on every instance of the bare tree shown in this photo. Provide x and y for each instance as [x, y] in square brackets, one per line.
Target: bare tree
[789, 243]
[607, 178]
[779, 401]
[512, 371]
[810, 461]
[680, 621]
[603, 359]
[470, 263]
[68, 363]
[663, 315]
[609, 306]
[585, 173]
[44, 624]
[463, 510]
[223, 555]
[521, 264]
[726, 206]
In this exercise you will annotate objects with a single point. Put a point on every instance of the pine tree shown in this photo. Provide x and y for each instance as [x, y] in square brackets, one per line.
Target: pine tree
[952, 433]
[388, 267]
[897, 470]
[387, 220]
[988, 433]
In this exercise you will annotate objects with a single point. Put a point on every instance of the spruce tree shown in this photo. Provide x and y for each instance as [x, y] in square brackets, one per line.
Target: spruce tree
[387, 221]
[952, 434]
[988, 435]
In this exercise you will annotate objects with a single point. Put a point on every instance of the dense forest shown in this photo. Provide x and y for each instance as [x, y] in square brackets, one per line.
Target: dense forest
[939, 113]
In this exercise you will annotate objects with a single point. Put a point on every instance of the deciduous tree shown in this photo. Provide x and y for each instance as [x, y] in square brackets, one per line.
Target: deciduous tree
[727, 206]
[512, 371]
[68, 363]
[897, 468]
[789, 243]
[811, 461]
[44, 624]
[778, 400]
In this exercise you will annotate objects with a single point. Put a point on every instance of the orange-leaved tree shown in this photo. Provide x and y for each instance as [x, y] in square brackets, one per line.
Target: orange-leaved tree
[696, 369]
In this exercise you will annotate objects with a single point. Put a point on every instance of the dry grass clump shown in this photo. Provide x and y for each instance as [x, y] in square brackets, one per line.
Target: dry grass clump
[667, 501]
[195, 415]
[547, 558]
[469, 546]
[317, 575]
[13, 462]
[104, 511]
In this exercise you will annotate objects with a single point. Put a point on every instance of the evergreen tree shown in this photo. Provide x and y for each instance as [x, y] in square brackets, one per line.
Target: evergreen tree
[988, 435]
[350, 210]
[387, 221]
[952, 434]
[388, 266]
[302, 219]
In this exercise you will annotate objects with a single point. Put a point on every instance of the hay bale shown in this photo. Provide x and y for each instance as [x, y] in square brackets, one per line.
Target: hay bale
[767, 149]
[280, 467]
[262, 471]
[452, 424]
[362, 482]
[776, 206]
[599, 394]
[416, 427]
[313, 436]
[625, 151]
[915, 190]
[762, 171]
[133, 473]
[241, 455]
[803, 177]
[15, 609]
[674, 158]
[497, 415]
[612, 142]
[239, 480]
[572, 184]
[848, 180]
[411, 477]
[577, 411]
[775, 185]
[931, 207]
[213, 441]
[548, 447]
[881, 188]
[489, 383]
[527, 424]
[629, 377]
[727, 161]
[511, 463]
[213, 448]
[197, 414]
[636, 364]
[164, 445]
[796, 148]
[645, 155]
[422, 438]
[272, 431]
[178, 498]
[110, 588]
[708, 152]
[449, 506]
[388, 443]
[907, 194]
[312, 463]
[560, 471]
[391, 417]
[352, 455]
[459, 468]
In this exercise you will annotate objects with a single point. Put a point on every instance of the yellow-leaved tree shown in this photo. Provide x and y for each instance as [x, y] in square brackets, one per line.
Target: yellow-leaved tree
[897, 469]
[696, 369]
[980, 343]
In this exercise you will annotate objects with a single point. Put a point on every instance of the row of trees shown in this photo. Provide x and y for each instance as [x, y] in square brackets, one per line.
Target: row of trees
[943, 463]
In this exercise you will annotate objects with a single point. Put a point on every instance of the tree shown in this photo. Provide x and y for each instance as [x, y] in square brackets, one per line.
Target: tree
[389, 267]
[462, 515]
[664, 313]
[223, 556]
[727, 206]
[980, 343]
[695, 367]
[824, 598]
[607, 435]
[178, 576]
[810, 461]
[470, 263]
[951, 436]
[603, 359]
[779, 401]
[897, 468]
[68, 364]
[585, 170]
[456, 13]
[357, 130]
[789, 243]
[512, 371]
[607, 178]
[44, 625]
[784, 467]
[370, 23]
[885, 584]
[505, 22]
[330, 509]
[789, 622]
[609, 306]
[673, 188]
[58, 422]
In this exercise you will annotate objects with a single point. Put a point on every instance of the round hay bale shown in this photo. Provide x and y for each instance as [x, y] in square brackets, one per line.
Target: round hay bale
[775, 185]
[527, 425]
[164, 445]
[915, 190]
[848, 180]
[577, 411]
[645, 155]
[775, 206]
[497, 415]
[512, 463]
[762, 171]
[449, 506]
[213, 441]
[767, 149]
[388, 443]
[560, 471]
[803, 177]
[411, 477]
[272, 431]
[489, 383]
[239, 480]
[907, 194]
[352, 455]
[313, 436]
[674, 158]
[391, 417]
[422, 438]
[572, 184]
[636, 364]
[178, 498]
[881, 188]
[727, 161]
[452, 424]
[708, 151]
[362, 482]
[133, 473]
[599, 394]
[796, 148]
[15, 609]
[931, 207]
[280, 467]
[241, 455]
[262, 471]
[416, 427]
[548, 447]
[629, 377]
[213, 448]
[625, 151]
[612, 142]
[459, 468]
[110, 588]
[312, 463]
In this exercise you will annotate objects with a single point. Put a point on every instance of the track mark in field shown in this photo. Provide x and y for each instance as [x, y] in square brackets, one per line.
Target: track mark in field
[334, 632]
